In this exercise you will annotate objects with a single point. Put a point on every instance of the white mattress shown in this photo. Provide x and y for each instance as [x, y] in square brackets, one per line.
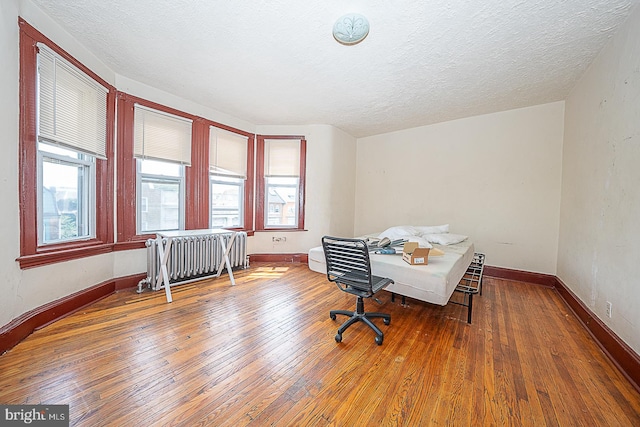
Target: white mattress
[433, 283]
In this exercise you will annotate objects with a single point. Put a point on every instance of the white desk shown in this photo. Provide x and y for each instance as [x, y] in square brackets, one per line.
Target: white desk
[164, 240]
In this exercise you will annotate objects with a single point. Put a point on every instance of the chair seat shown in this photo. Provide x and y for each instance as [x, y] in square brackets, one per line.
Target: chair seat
[378, 283]
[349, 267]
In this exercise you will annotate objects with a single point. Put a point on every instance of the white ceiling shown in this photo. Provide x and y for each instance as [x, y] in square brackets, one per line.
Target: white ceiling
[276, 62]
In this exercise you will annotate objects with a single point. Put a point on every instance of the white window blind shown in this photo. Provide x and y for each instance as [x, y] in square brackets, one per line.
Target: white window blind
[227, 153]
[161, 136]
[72, 107]
[281, 157]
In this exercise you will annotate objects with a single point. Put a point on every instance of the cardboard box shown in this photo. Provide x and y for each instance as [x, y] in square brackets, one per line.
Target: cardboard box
[415, 255]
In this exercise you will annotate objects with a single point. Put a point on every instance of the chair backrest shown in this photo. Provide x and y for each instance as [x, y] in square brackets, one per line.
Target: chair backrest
[348, 264]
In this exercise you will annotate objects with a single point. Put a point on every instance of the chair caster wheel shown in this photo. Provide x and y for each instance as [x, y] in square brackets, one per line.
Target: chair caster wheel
[332, 316]
[379, 339]
[387, 321]
[338, 337]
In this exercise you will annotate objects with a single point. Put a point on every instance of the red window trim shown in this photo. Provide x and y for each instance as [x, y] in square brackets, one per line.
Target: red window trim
[248, 186]
[197, 201]
[196, 176]
[260, 183]
[31, 254]
[126, 189]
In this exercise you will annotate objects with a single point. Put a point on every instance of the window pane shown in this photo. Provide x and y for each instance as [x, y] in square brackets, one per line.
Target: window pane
[153, 167]
[160, 205]
[282, 202]
[227, 202]
[160, 196]
[56, 149]
[64, 201]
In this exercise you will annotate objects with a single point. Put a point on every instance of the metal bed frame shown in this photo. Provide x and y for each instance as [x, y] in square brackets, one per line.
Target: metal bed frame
[471, 283]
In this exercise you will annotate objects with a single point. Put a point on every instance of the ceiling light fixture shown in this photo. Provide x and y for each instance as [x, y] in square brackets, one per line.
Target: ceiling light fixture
[351, 29]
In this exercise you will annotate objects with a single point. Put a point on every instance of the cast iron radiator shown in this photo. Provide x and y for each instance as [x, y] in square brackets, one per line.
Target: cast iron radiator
[193, 258]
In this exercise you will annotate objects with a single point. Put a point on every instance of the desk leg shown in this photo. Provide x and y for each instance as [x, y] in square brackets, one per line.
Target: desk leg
[163, 257]
[225, 259]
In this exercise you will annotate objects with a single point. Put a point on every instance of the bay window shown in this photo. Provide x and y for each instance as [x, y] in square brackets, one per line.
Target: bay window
[66, 143]
[175, 170]
[281, 176]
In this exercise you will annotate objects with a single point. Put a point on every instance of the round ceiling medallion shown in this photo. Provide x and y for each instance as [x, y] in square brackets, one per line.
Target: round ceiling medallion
[351, 29]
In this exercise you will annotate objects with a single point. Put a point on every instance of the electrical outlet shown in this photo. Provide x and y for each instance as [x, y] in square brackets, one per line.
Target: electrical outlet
[278, 239]
[608, 309]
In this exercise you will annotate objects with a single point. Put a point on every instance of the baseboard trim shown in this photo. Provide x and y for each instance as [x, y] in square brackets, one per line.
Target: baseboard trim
[520, 276]
[22, 326]
[623, 357]
[289, 258]
[127, 282]
[626, 360]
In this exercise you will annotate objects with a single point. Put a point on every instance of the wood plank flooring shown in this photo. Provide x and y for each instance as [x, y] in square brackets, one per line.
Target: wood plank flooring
[263, 353]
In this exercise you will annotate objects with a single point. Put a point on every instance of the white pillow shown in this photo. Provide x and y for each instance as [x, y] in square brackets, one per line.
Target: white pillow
[424, 243]
[432, 229]
[399, 232]
[445, 238]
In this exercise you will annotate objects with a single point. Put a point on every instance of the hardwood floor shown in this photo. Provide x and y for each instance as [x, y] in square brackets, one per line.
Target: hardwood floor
[262, 353]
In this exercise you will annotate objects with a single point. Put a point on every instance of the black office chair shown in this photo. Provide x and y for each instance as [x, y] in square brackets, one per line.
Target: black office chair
[349, 268]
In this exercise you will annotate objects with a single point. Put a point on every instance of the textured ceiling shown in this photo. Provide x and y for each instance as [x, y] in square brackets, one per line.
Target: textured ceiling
[276, 62]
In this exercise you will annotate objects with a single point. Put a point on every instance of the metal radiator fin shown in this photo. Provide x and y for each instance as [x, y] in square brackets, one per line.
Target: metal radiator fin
[193, 258]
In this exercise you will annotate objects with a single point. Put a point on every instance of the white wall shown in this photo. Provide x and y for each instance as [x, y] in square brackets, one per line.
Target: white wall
[330, 189]
[599, 243]
[495, 178]
[9, 113]
[24, 290]
[150, 93]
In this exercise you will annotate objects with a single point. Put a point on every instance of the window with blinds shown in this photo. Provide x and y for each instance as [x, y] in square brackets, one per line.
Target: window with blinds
[72, 134]
[227, 153]
[282, 195]
[162, 145]
[227, 178]
[161, 136]
[72, 107]
[282, 158]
